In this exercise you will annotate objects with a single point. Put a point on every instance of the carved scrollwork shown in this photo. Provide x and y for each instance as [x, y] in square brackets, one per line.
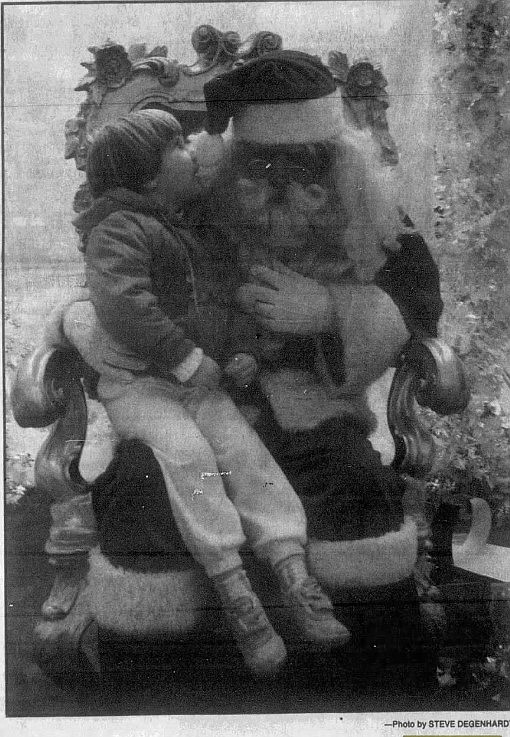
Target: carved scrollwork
[111, 67]
[258, 44]
[47, 391]
[365, 80]
[76, 141]
[83, 198]
[364, 93]
[66, 650]
[166, 70]
[112, 64]
[72, 130]
[213, 48]
[38, 395]
[138, 51]
[56, 469]
[431, 375]
[339, 65]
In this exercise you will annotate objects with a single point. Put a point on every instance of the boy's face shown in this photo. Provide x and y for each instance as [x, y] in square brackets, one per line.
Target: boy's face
[176, 182]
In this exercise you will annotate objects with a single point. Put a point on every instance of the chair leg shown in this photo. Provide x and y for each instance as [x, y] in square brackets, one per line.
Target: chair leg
[432, 611]
[429, 596]
[67, 648]
[70, 578]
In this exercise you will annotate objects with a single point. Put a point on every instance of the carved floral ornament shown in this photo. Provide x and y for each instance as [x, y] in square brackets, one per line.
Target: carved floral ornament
[362, 79]
[215, 48]
[113, 66]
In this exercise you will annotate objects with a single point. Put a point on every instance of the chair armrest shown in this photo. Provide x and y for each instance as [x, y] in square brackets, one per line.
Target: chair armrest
[42, 382]
[47, 390]
[431, 375]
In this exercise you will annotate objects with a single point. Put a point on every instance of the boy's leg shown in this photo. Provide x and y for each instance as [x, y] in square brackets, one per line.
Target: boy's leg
[148, 409]
[272, 515]
[207, 520]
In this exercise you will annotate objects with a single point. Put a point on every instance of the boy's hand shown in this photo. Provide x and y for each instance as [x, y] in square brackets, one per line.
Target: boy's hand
[242, 368]
[208, 374]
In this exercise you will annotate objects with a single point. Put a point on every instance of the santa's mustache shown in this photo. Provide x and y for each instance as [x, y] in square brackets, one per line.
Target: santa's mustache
[286, 217]
[260, 201]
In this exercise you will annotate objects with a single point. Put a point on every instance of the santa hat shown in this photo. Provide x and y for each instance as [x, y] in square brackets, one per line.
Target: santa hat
[280, 97]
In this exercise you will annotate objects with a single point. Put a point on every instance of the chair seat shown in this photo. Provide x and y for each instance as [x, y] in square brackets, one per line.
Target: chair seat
[377, 397]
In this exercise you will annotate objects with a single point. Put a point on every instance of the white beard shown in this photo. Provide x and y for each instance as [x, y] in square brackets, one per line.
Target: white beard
[283, 222]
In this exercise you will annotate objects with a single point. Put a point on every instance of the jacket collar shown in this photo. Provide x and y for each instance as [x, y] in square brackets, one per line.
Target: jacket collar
[118, 199]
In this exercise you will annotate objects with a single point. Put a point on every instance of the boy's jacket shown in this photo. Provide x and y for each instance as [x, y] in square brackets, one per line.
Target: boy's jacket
[157, 290]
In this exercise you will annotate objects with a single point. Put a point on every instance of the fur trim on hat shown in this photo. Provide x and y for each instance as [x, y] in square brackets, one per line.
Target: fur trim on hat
[374, 561]
[289, 122]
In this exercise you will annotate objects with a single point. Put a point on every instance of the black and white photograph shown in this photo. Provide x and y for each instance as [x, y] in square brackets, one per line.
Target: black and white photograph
[256, 310]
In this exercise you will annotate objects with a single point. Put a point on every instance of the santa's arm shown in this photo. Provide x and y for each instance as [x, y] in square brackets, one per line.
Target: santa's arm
[374, 321]
[411, 278]
[365, 338]
[362, 327]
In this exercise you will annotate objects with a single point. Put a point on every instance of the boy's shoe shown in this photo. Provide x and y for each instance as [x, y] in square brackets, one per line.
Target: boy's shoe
[263, 650]
[313, 614]
[310, 608]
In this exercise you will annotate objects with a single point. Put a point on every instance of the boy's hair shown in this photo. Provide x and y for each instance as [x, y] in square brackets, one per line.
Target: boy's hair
[128, 151]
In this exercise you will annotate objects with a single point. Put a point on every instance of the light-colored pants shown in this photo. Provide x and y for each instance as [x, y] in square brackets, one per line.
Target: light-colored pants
[224, 486]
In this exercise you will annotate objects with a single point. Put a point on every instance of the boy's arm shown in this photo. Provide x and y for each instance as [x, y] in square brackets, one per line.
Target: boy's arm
[118, 276]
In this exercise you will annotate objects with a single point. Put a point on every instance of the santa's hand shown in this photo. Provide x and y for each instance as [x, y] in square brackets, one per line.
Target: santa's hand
[242, 368]
[284, 301]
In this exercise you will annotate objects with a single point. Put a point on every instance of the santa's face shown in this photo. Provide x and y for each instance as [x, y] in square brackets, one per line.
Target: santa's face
[281, 192]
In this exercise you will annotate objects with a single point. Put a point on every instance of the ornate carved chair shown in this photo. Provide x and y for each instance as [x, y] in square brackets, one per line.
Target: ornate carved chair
[49, 388]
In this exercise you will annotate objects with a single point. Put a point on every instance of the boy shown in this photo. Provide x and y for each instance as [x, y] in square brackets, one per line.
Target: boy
[147, 277]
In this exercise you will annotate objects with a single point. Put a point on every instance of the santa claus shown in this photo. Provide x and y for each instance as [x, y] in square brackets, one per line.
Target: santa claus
[336, 279]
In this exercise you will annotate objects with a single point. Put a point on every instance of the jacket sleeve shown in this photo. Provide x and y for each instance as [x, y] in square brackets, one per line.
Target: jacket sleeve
[118, 275]
[411, 278]
[374, 321]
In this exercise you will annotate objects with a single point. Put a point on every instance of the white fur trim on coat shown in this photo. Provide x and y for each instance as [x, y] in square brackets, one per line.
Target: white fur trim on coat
[300, 402]
[374, 561]
[372, 330]
[172, 603]
[178, 603]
